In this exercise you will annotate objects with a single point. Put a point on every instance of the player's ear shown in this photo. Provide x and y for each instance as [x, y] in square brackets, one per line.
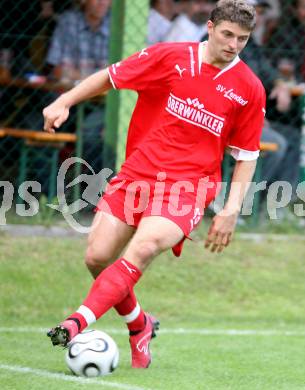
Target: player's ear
[210, 26]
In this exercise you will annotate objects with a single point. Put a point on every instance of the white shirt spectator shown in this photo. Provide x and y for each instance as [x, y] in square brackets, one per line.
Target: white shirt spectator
[183, 29]
[158, 27]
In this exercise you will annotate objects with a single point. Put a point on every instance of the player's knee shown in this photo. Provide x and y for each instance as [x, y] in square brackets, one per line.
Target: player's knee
[96, 260]
[146, 249]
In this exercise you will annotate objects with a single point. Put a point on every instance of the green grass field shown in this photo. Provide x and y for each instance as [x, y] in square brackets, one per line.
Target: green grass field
[241, 314]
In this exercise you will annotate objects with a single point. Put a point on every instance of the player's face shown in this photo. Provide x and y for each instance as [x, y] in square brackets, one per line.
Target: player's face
[226, 41]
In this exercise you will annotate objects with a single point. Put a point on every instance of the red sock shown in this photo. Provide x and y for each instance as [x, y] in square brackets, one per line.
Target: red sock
[79, 320]
[132, 312]
[110, 287]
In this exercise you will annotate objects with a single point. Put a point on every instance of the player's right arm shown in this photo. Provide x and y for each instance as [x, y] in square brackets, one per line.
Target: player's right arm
[58, 112]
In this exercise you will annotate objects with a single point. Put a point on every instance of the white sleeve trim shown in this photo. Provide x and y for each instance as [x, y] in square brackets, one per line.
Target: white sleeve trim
[243, 155]
[111, 79]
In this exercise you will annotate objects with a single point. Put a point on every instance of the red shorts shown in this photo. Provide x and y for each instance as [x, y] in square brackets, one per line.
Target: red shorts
[181, 202]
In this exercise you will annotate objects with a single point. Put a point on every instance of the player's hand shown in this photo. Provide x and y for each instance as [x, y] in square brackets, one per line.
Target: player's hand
[221, 231]
[55, 115]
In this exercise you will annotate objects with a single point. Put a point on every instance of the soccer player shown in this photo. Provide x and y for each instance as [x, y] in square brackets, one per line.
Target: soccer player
[194, 101]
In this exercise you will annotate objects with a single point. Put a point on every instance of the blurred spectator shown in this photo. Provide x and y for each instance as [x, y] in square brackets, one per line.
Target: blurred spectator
[43, 25]
[191, 24]
[24, 24]
[80, 46]
[261, 20]
[285, 49]
[26, 29]
[80, 42]
[288, 38]
[267, 15]
[21, 23]
[160, 18]
[274, 163]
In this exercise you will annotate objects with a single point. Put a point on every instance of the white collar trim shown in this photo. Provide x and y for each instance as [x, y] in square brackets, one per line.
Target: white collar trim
[200, 57]
[200, 54]
[230, 66]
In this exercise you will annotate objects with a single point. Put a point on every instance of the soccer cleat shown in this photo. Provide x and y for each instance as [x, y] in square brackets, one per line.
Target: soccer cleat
[59, 335]
[64, 332]
[139, 343]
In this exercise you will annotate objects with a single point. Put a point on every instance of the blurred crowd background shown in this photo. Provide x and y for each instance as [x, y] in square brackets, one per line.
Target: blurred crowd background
[48, 46]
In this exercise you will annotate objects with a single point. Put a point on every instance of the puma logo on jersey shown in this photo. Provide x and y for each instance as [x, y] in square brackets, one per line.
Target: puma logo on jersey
[143, 53]
[180, 71]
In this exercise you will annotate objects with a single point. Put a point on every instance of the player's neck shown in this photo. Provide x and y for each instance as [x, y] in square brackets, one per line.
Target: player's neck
[209, 57]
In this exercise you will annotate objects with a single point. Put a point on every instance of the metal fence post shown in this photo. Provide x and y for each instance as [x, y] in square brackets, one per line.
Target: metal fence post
[135, 31]
[113, 98]
[302, 146]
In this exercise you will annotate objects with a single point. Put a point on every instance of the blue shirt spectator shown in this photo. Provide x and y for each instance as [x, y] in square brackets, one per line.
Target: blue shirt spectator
[78, 38]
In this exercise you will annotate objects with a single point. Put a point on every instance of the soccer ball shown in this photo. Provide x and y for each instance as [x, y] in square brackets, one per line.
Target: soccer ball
[92, 353]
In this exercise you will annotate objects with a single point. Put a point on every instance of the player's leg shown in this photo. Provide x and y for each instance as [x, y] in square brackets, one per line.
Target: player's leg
[117, 281]
[128, 307]
[106, 241]
[154, 235]
[107, 238]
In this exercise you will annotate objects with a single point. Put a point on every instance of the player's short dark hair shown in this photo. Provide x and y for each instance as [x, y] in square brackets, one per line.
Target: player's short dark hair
[234, 11]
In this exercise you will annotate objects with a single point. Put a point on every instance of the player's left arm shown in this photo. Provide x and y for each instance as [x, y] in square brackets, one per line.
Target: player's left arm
[223, 224]
[244, 140]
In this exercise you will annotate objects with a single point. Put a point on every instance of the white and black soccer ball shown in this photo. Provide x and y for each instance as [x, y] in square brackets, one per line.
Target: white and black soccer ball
[92, 353]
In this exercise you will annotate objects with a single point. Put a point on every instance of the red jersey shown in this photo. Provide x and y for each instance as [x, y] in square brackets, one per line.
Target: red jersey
[187, 111]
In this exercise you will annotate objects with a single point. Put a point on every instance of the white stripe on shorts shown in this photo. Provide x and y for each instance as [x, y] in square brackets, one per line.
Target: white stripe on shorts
[133, 315]
[87, 314]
